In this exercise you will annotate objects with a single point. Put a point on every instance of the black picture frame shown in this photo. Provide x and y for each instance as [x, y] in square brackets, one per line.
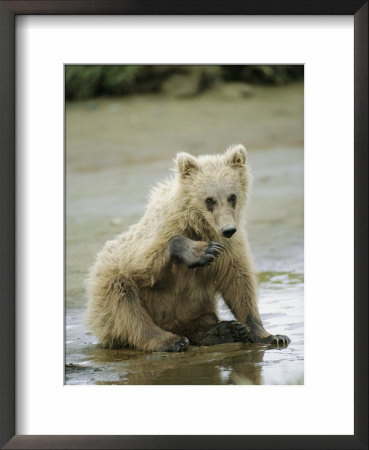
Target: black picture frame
[8, 12]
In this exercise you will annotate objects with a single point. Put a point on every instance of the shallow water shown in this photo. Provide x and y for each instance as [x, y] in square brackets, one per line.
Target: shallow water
[116, 150]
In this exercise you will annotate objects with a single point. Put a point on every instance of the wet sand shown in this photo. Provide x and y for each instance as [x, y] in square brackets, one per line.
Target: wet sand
[116, 149]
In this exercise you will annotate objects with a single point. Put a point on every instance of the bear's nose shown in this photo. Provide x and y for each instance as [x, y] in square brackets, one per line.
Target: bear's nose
[228, 231]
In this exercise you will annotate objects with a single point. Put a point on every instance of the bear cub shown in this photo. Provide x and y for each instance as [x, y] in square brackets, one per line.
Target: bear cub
[154, 286]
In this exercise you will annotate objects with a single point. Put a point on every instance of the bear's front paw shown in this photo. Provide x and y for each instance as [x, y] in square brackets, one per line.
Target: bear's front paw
[204, 253]
[277, 339]
[180, 345]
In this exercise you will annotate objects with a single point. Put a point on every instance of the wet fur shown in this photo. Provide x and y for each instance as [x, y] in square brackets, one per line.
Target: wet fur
[142, 292]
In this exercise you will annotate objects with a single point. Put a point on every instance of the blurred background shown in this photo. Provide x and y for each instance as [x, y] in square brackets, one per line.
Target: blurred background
[124, 125]
[83, 82]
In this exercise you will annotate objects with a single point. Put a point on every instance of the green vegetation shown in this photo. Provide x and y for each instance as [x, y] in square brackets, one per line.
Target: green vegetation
[86, 81]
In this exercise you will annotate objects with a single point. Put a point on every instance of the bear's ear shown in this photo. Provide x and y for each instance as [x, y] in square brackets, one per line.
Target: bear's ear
[186, 164]
[236, 156]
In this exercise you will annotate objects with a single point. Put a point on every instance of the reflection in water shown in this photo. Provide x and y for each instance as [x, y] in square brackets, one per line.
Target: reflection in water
[199, 366]
[116, 152]
[222, 364]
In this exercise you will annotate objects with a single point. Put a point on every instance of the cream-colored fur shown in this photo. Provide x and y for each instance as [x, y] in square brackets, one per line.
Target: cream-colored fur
[138, 296]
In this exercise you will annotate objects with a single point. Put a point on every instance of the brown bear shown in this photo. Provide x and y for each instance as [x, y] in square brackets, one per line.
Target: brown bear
[154, 287]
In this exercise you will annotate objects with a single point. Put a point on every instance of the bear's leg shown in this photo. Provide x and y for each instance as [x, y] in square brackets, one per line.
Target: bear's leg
[126, 322]
[259, 334]
[238, 289]
[208, 330]
[193, 253]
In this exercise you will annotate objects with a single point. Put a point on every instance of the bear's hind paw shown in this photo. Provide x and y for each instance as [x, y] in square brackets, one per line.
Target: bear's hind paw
[235, 331]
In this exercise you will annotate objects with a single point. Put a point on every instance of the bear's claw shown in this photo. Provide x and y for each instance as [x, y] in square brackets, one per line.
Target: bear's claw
[214, 248]
[179, 346]
[211, 251]
[278, 339]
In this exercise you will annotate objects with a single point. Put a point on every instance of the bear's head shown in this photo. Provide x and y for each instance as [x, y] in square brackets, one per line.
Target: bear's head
[214, 189]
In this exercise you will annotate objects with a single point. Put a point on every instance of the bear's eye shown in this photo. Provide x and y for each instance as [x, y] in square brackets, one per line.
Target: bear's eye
[209, 202]
[233, 199]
